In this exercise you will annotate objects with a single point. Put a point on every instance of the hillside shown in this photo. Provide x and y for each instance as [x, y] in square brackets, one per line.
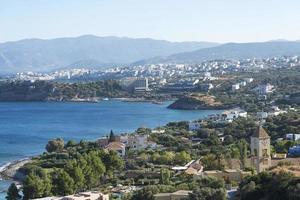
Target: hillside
[85, 51]
[198, 102]
[232, 51]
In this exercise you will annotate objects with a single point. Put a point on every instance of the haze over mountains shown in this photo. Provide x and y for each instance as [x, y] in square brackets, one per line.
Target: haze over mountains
[88, 51]
[98, 52]
[232, 51]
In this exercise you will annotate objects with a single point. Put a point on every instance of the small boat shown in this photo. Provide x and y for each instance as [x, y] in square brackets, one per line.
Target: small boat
[157, 102]
[105, 99]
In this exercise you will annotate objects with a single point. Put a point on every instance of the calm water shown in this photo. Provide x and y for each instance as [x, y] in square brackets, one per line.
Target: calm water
[25, 128]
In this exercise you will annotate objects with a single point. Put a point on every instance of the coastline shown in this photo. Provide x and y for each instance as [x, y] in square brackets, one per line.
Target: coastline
[10, 170]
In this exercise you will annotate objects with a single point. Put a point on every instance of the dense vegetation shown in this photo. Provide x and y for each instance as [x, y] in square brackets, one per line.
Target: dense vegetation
[42, 90]
[69, 168]
[270, 186]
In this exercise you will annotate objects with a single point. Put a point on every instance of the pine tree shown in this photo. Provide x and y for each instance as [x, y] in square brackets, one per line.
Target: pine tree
[13, 193]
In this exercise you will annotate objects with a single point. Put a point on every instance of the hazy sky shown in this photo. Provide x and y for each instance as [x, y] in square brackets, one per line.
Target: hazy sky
[175, 20]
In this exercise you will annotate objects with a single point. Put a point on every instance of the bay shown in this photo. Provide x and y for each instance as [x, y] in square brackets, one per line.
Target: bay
[25, 127]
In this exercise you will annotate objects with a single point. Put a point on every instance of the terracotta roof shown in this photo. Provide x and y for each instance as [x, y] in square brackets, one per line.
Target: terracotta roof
[191, 171]
[115, 145]
[260, 132]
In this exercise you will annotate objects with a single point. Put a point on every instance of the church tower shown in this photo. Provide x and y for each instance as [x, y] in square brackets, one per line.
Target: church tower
[260, 150]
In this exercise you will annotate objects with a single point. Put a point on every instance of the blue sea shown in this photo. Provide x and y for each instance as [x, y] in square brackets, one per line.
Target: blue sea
[25, 127]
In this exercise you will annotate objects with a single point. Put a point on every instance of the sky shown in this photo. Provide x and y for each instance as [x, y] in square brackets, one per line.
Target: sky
[174, 20]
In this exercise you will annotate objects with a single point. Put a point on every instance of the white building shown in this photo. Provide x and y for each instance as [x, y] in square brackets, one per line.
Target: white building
[292, 136]
[138, 141]
[235, 87]
[248, 80]
[243, 83]
[262, 115]
[264, 89]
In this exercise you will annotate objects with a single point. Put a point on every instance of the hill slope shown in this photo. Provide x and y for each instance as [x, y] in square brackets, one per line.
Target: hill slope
[88, 51]
[232, 51]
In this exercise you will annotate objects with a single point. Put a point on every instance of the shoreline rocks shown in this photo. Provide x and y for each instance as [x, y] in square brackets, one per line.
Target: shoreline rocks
[11, 170]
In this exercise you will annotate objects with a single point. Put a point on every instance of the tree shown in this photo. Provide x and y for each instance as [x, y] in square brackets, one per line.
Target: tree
[71, 143]
[270, 186]
[13, 192]
[56, 145]
[242, 149]
[207, 193]
[167, 157]
[182, 157]
[112, 137]
[64, 184]
[147, 193]
[35, 186]
[165, 176]
[76, 173]
[208, 188]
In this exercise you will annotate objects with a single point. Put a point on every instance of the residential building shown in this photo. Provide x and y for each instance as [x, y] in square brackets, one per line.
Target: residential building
[262, 115]
[235, 87]
[138, 141]
[292, 136]
[103, 141]
[195, 168]
[260, 150]
[264, 89]
[248, 80]
[119, 147]
[179, 195]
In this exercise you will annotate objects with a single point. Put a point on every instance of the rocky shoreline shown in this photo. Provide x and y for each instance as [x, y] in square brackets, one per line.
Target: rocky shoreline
[12, 170]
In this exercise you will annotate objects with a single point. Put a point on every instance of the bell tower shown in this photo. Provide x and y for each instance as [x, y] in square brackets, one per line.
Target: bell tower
[260, 150]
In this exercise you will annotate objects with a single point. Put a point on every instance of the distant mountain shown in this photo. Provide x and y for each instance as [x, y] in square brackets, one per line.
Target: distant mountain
[85, 51]
[232, 51]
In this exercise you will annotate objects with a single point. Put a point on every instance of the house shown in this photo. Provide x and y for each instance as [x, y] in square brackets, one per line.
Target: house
[179, 195]
[235, 87]
[94, 195]
[243, 83]
[103, 141]
[158, 130]
[140, 141]
[229, 116]
[195, 168]
[118, 147]
[292, 136]
[205, 87]
[264, 89]
[248, 80]
[183, 168]
[262, 115]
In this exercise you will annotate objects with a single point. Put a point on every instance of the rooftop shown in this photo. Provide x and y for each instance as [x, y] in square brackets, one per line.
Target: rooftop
[260, 132]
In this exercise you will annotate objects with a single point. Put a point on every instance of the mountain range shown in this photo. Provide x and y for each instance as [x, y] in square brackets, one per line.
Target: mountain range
[99, 52]
[232, 51]
[85, 51]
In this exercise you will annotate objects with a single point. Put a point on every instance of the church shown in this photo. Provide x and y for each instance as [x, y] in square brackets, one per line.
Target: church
[260, 150]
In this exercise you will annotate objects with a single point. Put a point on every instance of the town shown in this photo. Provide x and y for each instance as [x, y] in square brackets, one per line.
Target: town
[250, 147]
